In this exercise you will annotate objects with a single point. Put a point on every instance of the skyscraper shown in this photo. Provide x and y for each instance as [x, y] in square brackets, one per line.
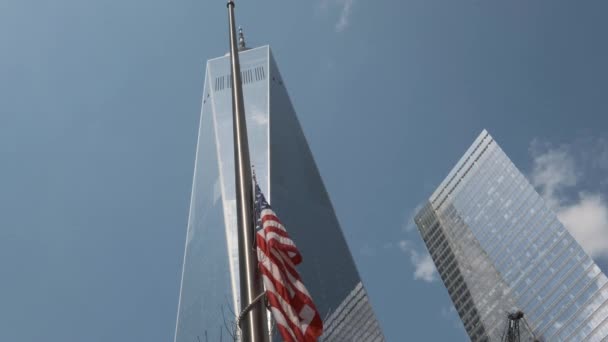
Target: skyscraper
[500, 249]
[287, 174]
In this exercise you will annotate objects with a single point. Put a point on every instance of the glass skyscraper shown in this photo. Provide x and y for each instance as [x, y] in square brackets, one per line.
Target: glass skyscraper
[498, 249]
[287, 174]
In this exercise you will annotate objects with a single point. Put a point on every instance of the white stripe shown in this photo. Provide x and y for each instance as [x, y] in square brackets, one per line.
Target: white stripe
[280, 319]
[273, 223]
[306, 314]
[286, 307]
[281, 275]
[267, 236]
[295, 281]
[287, 259]
[291, 281]
[262, 233]
[282, 257]
[275, 271]
[268, 212]
[272, 235]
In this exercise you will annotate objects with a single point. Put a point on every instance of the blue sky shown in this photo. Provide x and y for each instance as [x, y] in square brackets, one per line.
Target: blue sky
[99, 107]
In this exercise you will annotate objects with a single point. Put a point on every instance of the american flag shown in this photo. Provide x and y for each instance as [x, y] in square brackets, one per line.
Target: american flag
[294, 312]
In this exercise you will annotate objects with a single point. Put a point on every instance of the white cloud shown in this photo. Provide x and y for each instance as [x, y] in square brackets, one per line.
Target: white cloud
[587, 221]
[601, 159]
[556, 170]
[553, 170]
[344, 15]
[602, 154]
[409, 224]
[424, 268]
[405, 245]
[345, 11]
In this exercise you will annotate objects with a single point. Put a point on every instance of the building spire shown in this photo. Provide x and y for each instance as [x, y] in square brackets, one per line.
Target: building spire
[241, 40]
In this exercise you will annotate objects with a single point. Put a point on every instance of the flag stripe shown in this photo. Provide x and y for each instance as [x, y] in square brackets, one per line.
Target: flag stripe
[277, 268]
[292, 319]
[290, 303]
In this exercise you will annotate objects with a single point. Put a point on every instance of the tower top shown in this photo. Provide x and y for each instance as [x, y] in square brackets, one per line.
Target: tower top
[242, 45]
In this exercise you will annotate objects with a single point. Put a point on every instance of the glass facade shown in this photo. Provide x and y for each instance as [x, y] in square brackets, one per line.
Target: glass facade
[498, 248]
[287, 174]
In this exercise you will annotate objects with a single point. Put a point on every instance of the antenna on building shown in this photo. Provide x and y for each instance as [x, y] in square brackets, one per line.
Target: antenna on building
[241, 40]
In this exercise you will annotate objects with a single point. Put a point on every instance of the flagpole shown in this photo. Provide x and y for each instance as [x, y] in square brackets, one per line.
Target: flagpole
[254, 324]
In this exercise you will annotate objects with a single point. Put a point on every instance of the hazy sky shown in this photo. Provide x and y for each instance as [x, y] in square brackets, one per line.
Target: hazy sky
[100, 103]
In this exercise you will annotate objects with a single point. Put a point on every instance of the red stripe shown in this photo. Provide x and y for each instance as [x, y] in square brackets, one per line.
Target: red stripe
[298, 300]
[285, 333]
[282, 268]
[281, 285]
[283, 263]
[314, 329]
[274, 229]
[271, 217]
[274, 302]
[296, 258]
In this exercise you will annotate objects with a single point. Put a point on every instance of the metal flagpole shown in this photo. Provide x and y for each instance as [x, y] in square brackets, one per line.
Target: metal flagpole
[254, 324]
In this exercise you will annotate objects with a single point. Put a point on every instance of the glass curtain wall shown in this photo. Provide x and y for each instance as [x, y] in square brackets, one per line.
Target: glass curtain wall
[286, 172]
[487, 227]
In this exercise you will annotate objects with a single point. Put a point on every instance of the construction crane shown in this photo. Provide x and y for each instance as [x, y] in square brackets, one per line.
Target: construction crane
[512, 331]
